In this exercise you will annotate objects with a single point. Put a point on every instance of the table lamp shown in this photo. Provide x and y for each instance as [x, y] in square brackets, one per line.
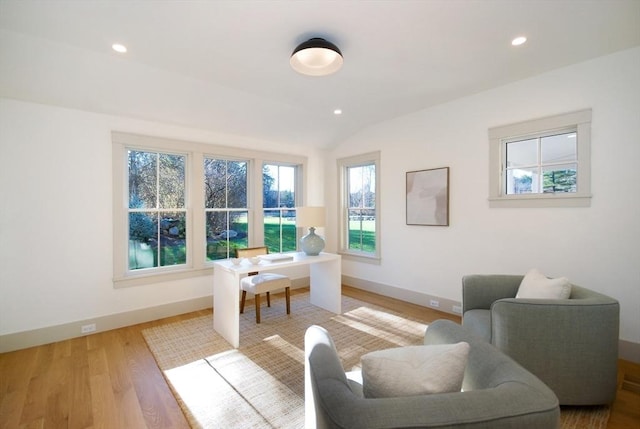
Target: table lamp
[311, 217]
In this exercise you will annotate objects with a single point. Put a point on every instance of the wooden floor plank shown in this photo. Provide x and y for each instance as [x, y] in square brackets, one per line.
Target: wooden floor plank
[80, 415]
[103, 403]
[38, 383]
[155, 400]
[126, 400]
[16, 369]
[11, 408]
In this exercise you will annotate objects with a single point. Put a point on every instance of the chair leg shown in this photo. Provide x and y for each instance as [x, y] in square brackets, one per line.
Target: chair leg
[257, 299]
[244, 296]
[287, 295]
[268, 299]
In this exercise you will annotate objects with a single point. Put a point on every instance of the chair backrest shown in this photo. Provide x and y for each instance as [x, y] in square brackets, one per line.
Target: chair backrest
[251, 251]
[321, 357]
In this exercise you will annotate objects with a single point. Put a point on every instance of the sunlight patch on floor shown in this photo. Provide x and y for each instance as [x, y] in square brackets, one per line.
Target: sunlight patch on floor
[390, 327]
[285, 347]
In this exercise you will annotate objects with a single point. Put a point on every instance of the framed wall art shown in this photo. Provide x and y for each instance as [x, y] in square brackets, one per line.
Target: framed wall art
[428, 197]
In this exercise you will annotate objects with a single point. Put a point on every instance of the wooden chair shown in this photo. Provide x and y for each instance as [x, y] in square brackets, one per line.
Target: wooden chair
[258, 283]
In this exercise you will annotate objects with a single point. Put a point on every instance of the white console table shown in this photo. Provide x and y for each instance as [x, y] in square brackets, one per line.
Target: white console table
[326, 288]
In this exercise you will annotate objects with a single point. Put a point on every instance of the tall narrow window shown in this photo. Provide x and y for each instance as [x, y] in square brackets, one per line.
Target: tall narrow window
[226, 210]
[279, 202]
[360, 232]
[157, 213]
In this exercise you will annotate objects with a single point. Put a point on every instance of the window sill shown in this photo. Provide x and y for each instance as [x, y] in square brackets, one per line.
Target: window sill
[361, 257]
[540, 200]
[146, 279]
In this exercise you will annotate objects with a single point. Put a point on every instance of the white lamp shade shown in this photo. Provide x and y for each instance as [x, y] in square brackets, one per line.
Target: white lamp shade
[310, 216]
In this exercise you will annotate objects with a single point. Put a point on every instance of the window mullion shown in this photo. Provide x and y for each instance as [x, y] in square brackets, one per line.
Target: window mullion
[196, 217]
[539, 166]
[156, 209]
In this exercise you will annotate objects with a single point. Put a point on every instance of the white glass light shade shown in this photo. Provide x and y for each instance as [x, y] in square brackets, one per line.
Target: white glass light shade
[316, 57]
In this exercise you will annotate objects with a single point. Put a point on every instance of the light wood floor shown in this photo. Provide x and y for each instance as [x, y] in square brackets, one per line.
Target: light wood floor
[110, 380]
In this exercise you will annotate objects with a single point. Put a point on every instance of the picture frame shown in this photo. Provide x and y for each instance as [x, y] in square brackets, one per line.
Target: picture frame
[427, 196]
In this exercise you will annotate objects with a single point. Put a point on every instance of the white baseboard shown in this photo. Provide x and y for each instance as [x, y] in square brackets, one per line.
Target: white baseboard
[443, 304]
[51, 334]
[628, 350]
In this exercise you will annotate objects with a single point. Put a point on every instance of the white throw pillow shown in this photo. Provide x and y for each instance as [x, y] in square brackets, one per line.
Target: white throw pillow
[414, 370]
[537, 285]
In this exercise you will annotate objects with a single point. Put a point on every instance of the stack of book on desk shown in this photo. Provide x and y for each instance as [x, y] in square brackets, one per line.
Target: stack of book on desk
[276, 257]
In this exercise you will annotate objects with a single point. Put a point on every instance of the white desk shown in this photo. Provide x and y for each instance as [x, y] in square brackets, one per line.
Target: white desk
[326, 288]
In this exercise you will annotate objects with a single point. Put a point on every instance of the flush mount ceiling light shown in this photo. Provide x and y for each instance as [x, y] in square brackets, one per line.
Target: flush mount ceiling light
[316, 57]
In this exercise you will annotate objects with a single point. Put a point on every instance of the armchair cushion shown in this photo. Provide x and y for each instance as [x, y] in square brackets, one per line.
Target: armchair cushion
[537, 286]
[414, 370]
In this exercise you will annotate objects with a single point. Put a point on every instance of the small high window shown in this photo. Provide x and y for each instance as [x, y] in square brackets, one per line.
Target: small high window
[542, 163]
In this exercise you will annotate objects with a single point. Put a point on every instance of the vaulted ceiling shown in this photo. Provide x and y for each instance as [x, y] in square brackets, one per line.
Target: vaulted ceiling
[224, 65]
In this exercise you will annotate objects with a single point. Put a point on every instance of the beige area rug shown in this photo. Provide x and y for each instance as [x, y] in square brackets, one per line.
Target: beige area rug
[261, 384]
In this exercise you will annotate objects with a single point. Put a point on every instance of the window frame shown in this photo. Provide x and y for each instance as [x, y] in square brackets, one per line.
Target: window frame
[371, 158]
[298, 194]
[159, 210]
[197, 265]
[498, 136]
[227, 209]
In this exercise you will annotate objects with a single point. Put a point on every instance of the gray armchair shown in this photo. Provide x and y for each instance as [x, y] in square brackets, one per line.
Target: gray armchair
[570, 344]
[497, 392]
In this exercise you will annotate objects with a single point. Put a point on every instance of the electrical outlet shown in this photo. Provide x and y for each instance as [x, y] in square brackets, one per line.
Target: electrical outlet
[434, 303]
[85, 329]
[457, 309]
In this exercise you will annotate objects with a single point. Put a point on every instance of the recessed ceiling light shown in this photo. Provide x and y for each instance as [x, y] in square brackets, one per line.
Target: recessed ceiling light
[119, 48]
[518, 41]
[337, 112]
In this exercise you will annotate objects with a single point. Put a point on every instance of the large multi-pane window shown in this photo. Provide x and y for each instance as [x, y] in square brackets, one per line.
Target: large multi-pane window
[157, 221]
[226, 206]
[279, 202]
[179, 206]
[543, 162]
[359, 223]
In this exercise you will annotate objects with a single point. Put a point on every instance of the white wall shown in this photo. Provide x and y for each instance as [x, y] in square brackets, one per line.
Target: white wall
[56, 215]
[596, 247]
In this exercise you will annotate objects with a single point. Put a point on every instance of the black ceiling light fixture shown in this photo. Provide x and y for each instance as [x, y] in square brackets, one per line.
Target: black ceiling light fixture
[316, 57]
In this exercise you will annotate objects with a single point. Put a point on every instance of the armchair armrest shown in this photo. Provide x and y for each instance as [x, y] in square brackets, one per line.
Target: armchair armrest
[519, 406]
[480, 291]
